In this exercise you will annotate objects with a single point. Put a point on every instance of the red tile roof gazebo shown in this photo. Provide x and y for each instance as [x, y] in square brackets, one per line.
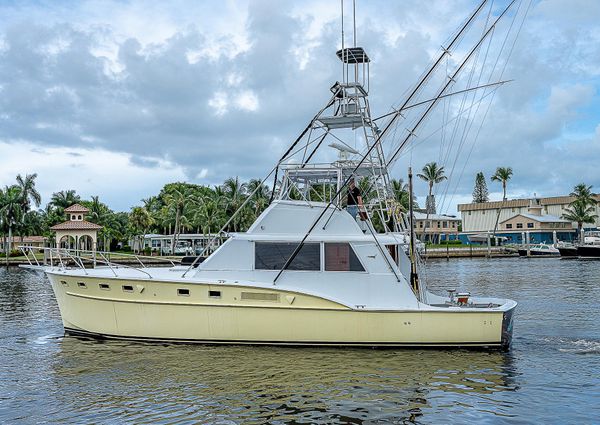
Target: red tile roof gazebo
[77, 229]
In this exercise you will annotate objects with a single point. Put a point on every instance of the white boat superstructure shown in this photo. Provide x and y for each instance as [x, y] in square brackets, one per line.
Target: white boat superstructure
[307, 272]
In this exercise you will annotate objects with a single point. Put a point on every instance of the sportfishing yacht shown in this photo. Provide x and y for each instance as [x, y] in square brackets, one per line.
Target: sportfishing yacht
[307, 272]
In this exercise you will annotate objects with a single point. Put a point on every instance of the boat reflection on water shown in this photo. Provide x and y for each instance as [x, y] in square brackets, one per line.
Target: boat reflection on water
[258, 384]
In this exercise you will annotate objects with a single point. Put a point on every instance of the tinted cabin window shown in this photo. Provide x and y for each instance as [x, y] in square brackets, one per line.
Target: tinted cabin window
[341, 257]
[272, 256]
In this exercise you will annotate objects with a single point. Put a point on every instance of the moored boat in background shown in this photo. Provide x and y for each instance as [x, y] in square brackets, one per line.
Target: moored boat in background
[539, 250]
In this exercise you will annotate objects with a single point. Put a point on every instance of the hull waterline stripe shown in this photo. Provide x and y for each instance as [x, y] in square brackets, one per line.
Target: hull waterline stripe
[77, 332]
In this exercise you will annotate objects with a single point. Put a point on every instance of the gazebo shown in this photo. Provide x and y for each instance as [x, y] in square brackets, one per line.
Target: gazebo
[76, 233]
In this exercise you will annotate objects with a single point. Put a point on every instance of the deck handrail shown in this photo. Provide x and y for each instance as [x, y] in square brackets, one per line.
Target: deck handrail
[78, 257]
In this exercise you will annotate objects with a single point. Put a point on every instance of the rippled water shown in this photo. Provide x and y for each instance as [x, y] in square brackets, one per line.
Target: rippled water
[551, 375]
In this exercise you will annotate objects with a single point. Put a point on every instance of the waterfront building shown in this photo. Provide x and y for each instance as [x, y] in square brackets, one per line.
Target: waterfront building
[187, 243]
[31, 241]
[436, 227]
[539, 216]
[76, 232]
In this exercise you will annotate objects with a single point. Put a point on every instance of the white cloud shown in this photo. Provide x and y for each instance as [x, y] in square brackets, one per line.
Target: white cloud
[113, 176]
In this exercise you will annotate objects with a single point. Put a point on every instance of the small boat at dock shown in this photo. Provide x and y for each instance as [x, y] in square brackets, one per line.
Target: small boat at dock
[540, 250]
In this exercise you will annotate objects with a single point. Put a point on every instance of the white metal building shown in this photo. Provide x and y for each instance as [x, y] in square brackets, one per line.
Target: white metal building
[481, 217]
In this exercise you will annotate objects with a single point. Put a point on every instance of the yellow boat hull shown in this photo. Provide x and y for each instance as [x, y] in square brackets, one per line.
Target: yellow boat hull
[154, 310]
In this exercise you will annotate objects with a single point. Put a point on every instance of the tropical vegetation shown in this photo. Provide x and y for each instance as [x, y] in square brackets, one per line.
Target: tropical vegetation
[503, 175]
[432, 173]
[582, 209]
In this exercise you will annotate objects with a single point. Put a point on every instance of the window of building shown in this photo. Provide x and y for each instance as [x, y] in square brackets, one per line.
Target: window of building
[530, 225]
[445, 224]
[469, 212]
[483, 212]
[519, 225]
[273, 256]
[340, 257]
[421, 224]
[509, 225]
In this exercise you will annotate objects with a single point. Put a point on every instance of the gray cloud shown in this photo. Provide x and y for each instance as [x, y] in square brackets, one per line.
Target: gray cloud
[217, 109]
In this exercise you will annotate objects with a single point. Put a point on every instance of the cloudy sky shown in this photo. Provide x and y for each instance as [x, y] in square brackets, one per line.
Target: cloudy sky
[117, 98]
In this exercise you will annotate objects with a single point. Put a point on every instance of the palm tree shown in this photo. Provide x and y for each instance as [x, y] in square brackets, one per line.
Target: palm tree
[502, 174]
[175, 204]
[400, 194]
[235, 193]
[583, 193]
[64, 199]
[11, 211]
[432, 174]
[261, 196]
[581, 213]
[28, 191]
[140, 221]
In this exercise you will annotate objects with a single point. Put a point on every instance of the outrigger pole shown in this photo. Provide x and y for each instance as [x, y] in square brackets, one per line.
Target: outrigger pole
[451, 79]
[398, 113]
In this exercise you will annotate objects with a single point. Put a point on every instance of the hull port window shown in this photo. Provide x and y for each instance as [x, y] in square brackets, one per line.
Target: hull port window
[82, 285]
[105, 286]
[214, 294]
[127, 288]
[183, 292]
[64, 283]
[273, 255]
[340, 257]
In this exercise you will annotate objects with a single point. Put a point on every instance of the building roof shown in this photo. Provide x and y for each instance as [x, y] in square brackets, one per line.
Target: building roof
[75, 208]
[539, 218]
[423, 216]
[518, 203]
[76, 225]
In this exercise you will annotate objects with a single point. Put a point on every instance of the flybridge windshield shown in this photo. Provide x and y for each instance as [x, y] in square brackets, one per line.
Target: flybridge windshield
[338, 257]
[273, 255]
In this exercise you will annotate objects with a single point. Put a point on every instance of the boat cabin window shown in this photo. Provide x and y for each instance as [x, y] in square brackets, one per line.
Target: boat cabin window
[273, 255]
[393, 250]
[341, 257]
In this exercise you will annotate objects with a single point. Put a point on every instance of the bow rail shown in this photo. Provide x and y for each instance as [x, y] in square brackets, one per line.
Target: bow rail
[65, 258]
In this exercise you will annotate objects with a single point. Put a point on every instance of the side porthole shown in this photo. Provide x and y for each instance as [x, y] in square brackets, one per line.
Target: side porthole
[82, 285]
[183, 292]
[105, 286]
[214, 294]
[127, 288]
[64, 283]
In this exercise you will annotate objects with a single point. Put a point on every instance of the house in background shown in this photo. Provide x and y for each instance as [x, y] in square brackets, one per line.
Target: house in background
[33, 241]
[436, 227]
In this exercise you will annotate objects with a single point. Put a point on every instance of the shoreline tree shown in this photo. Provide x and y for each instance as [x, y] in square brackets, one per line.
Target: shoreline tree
[480, 192]
[503, 175]
[582, 209]
[432, 174]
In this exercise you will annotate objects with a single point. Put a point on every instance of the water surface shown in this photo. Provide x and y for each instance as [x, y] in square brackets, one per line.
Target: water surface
[552, 373]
